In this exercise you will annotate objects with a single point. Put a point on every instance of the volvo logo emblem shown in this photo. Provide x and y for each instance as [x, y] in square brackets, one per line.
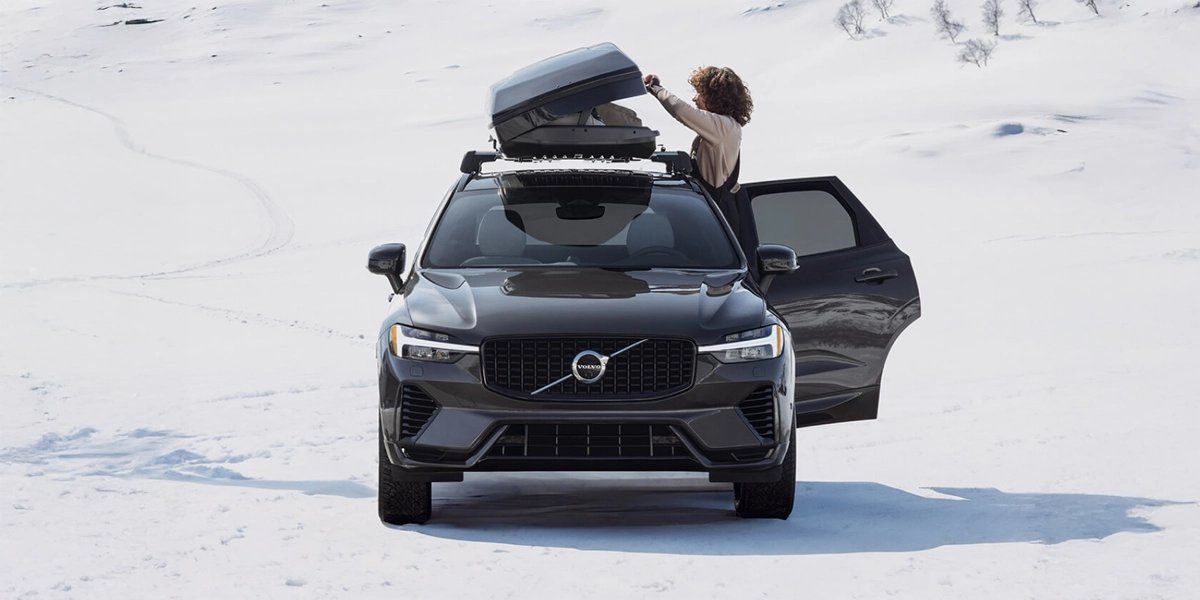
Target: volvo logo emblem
[588, 366]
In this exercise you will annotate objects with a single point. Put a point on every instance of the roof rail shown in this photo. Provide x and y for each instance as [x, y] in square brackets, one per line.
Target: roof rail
[473, 160]
[677, 161]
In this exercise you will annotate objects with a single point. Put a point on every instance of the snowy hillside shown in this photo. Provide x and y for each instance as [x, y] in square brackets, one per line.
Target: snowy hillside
[187, 387]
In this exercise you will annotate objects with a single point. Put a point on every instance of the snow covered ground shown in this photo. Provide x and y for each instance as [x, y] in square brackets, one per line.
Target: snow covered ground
[186, 370]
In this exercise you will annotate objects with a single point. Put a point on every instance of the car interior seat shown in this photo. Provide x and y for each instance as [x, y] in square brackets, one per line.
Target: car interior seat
[501, 241]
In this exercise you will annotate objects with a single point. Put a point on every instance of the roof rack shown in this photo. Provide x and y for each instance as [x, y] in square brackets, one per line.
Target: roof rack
[473, 160]
[676, 162]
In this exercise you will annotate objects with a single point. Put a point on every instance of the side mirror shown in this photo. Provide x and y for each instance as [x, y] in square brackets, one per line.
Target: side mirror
[388, 260]
[774, 259]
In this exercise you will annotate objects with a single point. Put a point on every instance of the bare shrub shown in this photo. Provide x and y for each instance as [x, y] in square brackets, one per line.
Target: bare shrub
[858, 12]
[884, 7]
[944, 21]
[991, 16]
[850, 18]
[844, 21]
[1092, 5]
[976, 52]
[1025, 9]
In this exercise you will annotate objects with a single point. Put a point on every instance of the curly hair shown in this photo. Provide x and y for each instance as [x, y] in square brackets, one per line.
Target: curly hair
[723, 92]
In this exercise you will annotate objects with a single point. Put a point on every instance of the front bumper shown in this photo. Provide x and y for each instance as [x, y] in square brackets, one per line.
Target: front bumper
[705, 428]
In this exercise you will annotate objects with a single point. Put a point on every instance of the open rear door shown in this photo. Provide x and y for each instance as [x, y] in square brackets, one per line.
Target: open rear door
[852, 295]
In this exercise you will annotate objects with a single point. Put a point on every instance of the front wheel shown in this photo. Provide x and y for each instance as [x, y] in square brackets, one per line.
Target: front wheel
[769, 500]
[401, 502]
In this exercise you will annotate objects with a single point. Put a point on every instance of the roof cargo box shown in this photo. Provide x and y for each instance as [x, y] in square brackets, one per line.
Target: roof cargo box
[562, 106]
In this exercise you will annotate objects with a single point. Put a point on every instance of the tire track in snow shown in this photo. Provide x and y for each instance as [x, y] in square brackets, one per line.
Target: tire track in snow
[247, 317]
[279, 234]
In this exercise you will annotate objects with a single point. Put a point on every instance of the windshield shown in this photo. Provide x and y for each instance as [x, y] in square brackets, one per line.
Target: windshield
[633, 227]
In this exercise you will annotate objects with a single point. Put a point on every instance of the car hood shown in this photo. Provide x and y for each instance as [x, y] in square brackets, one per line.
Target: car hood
[473, 304]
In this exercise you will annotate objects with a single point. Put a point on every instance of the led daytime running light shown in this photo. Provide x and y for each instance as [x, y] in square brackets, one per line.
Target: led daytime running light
[773, 342]
[397, 339]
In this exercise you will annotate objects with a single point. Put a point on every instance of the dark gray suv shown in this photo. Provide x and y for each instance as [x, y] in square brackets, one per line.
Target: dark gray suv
[600, 317]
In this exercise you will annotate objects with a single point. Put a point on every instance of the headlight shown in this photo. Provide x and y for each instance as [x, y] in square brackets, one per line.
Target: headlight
[418, 344]
[746, 346]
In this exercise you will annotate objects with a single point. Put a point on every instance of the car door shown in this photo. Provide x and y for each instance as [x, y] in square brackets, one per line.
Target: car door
[850, 297]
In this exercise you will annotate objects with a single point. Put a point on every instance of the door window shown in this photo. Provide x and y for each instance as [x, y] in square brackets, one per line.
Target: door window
[809, 221]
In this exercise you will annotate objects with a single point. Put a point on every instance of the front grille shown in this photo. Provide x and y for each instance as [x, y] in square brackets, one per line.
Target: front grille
[416, 408]
[599, 440]
[759, 410]
[520, 366]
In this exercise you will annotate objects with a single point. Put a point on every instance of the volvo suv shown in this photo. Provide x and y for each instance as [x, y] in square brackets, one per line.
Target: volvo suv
[606, 317]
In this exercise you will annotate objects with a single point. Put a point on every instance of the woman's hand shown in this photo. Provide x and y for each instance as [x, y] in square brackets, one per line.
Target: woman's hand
[650, 79]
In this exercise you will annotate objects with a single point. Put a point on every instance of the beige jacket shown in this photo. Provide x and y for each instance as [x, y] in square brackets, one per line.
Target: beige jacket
[718, 137]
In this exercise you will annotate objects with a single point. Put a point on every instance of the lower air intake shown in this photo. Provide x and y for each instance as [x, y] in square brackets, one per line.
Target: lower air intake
[607, 441]
[416, 408]
[759, 410]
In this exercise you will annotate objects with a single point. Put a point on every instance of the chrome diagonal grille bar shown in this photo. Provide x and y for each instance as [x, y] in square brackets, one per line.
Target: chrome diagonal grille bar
[551, 384]
[629, 347]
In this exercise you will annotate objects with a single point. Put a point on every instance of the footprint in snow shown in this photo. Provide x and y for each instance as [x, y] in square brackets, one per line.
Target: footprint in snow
[1009, 129]
[143, 432]
[1183, 254]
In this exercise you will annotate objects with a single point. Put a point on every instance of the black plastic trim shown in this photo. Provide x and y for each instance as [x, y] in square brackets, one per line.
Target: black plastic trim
[855, 405]
[473, 160]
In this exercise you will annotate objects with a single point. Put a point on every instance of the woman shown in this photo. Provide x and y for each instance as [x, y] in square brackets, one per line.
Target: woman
[723, 106]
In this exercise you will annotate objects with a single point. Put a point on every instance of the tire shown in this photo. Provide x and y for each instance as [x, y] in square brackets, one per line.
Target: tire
[401, 502]
[769, 500]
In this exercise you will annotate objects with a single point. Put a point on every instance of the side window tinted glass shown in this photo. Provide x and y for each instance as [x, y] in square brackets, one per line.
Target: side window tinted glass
[809, 221]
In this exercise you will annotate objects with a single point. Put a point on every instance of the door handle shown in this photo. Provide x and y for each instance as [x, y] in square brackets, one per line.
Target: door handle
[876, 275]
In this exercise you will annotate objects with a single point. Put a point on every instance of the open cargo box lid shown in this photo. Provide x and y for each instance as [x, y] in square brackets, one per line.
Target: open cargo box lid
[561, 106]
